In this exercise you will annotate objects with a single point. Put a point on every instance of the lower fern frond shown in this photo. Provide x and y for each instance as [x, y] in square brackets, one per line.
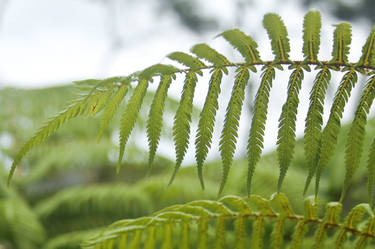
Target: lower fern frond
[225, 223]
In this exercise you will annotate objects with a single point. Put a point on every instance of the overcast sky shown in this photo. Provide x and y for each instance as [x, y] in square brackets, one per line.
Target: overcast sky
[49, 42]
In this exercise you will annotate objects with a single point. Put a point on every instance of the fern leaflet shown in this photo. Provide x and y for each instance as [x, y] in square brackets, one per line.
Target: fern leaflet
[341, 40]
[311, 36]
[371, 172]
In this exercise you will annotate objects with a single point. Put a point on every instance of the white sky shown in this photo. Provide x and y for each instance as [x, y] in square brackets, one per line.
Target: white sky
[48, 42]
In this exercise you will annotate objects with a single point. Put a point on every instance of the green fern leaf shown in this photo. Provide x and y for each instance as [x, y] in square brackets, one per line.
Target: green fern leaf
[311, 36]
[240, 232]
[187, 60]
[354, 145]
[255, 143]
[135, 242]
[130, 116]
[206, 123]
[182, 120]
[155, 120]
[78, 108]
[229, 133]
[368, 51]
[258, 233]
[202, 234]
[204, 51]
[167, 241]
[371, 172]
[329, 135]
[150, 242]
[277, 239]
[158, 70]
[341, 41]
[244, 44]
[185, 236]
[112, 107]
[369, 232]
[314, 121]
[278, 35]
[220, 233]
[287, 124]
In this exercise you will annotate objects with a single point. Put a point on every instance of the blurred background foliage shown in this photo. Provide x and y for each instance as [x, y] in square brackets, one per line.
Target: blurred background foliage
[67, 190]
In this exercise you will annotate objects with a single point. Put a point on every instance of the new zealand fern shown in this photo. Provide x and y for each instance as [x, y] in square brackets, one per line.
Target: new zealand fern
[319, 142]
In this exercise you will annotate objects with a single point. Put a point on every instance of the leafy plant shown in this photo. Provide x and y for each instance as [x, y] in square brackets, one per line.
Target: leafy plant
[106, 96]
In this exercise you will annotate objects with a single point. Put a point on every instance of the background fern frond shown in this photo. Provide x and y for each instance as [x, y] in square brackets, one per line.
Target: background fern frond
[341, 41]
[258, 123]
[243, 43]
[311, 36]
[287, 124]
[329, 135]
[130, 116]
[354, 145]
[229, 134]
[155, 121]
[314, 121]
[182, 119]
[278, 35]
[207, 121]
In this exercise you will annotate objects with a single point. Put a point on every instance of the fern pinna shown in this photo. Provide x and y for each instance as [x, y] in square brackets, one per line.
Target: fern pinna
[107, 96]
[234, 222]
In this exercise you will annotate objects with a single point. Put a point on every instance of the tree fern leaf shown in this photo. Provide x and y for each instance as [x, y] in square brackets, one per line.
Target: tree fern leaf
[255, 142]
[150, 242]
[240, 232]
[281, 203]
[167, 241]
[130, 116]
[298, 235]
[155, 120]
[311, 36]
[204, 51]
[76, 109]
[206, 123]
[258, 233]
[123, 241]
[135, 242]
[112, 107]
[369, 232]
[314, 121]
[182, 120]
[371, 172]
[185, 236]
[277, 235]
[331, 217]
[229, 133]
[262, 205]
[368, 51]
[244, 44]
[98, 103]
[329, 135]
[354, 145]
[341, 41]
[187, 60]
[287, 124]
[278, 35]
[220, 233]
[158, 69]
[237, 204]
[202, 233]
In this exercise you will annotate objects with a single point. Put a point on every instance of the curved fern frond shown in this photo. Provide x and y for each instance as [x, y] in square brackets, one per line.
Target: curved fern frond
[357, 132]
[287, 124]
[207, 221]
[329, 135]
[314, 121]
[229, 134]
[155, 121]
[258, 123]
[311, 36]
[130, 116]
[182, 119]
[341, 40]
[207, 121]
[278, 35]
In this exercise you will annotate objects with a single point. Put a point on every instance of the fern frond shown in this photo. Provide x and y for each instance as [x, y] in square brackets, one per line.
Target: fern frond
[311, 36]
[78, 108]
[329, 135]
[206, 52]
[207, 220]
[157, 70]
[182, 119]
[342, 38]
[155, 120]
[278, 35]
[207, 121]
[287, 124]
[229, 134]
[368, 51]
[244, 44]
[371, 172]
[258, 123]
[130, 116]
[354, 144]
[187, 60]
[314, 121]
